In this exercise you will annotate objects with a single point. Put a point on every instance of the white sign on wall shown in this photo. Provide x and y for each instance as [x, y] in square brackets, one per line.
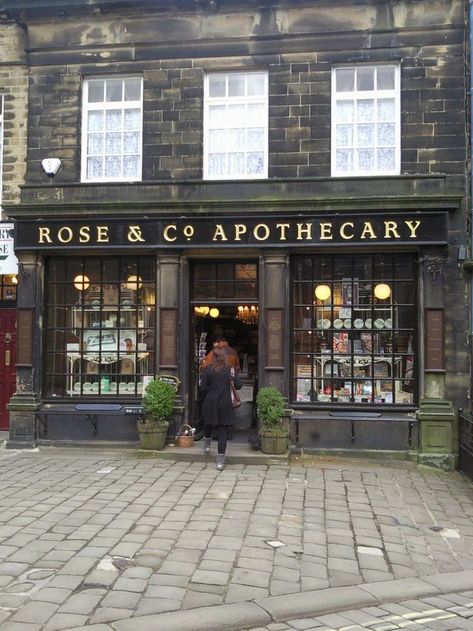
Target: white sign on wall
[8, 260]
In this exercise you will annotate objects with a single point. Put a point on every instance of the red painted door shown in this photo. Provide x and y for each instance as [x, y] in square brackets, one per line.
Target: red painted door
[7, 361]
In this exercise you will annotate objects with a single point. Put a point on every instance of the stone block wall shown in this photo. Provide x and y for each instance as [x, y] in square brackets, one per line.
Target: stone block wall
[14, 87]
[297, 45]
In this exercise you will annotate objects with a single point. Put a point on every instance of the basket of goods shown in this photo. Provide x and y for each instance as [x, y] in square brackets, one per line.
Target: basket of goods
[185, 436]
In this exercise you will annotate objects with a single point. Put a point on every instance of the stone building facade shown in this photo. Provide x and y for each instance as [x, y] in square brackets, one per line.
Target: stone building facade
[265, 150]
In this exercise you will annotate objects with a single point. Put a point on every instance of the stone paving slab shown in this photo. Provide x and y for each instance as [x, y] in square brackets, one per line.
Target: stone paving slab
[103, 538]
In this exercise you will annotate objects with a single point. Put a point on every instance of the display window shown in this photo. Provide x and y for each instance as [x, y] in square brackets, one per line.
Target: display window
[354, 325]
[100, 326]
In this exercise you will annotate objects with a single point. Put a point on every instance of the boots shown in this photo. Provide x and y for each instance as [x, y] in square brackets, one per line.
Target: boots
[206, 442]
[220, 462]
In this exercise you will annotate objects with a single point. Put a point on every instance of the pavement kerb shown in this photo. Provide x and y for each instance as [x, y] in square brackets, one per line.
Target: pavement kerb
[311, 604]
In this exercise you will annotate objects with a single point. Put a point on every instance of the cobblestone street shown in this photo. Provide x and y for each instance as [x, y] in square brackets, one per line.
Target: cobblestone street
[91, 538]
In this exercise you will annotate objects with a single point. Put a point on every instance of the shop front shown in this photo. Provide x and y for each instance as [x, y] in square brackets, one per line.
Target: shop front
[329, 308]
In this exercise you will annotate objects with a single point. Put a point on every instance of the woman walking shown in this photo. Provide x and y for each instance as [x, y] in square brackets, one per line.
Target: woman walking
[217, 409]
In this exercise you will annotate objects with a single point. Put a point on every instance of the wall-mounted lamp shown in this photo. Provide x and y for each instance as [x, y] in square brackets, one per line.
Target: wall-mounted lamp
[323, 292]
[382, 291]
[81, 282]
[51, 166]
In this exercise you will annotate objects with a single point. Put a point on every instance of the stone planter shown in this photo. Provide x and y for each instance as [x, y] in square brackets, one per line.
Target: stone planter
[153, 438]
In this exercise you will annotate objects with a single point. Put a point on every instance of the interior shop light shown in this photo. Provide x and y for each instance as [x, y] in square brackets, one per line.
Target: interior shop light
[133, 282]
[201, 311]
[14, 279]
[323, 292]
[214, 312]
[382, 291]
[81, 282]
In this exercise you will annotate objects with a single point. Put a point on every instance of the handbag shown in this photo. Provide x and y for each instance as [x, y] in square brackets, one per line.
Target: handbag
[236, 401]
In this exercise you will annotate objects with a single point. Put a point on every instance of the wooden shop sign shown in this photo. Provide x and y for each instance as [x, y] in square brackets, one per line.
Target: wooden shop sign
[323, 230]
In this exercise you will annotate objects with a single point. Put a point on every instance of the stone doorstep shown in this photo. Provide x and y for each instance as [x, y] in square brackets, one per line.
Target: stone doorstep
[311, 604]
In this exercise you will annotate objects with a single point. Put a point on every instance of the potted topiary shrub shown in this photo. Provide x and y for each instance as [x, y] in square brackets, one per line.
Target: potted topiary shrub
[158, 405]
[273, 426]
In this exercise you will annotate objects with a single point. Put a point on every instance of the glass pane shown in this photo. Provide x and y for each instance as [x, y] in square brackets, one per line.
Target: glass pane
[217, 139]
[132, 119]
[255, 114]
[256, 84]
[113, 120]
[345, 111]
[345, 79]
[236, 163]
[217, 164]
[95, 121]
[218, 116]
[344, 135]
[365, 110]
[205, 271]
[94, 168]
[130, 166]
[132, 89]
[217, 85]
[132, 142]
[255, 139]
[344, 159]
[114, 90]
[365, 135]
[365, 79]
[236, 85]
[385, 159]
[235, 140]
[366, 159]
[236, 114]
[386, 110]
[113, 166]
[113, 143]
[96, 91]
[386, 78]
[386, 135]
[255, 163]
[95, 144]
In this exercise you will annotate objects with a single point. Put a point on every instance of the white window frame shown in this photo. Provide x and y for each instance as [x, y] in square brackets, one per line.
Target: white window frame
[104, 106]
[226, 100]
[362, 95]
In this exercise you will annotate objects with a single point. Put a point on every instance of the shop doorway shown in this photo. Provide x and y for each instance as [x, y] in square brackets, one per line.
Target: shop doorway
[7, 362]
[224, 302]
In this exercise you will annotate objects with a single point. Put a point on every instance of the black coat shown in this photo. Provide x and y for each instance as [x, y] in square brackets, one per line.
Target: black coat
[217, 407]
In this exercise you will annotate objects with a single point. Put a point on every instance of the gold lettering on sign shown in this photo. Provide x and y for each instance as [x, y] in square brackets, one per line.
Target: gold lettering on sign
[390, 228]
[413, 225]
[240, 228]
[44, 235]
[65, 234]
[188, 232]
[134, 234]
[102, 234]
[343, 234]
[167, 236]
[326, 232]
[368, 229]
[219, 233]
[307, 231]
[84, 234]
[282, 227]
[256, 232]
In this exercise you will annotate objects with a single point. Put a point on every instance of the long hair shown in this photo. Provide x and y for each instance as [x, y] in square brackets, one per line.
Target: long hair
[219, 359]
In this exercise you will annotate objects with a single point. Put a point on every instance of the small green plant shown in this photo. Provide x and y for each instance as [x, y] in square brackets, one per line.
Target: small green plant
[158, 403]
[270, 408]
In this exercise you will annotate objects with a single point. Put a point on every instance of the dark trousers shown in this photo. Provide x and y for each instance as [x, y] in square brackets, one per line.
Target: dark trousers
[221, 436]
